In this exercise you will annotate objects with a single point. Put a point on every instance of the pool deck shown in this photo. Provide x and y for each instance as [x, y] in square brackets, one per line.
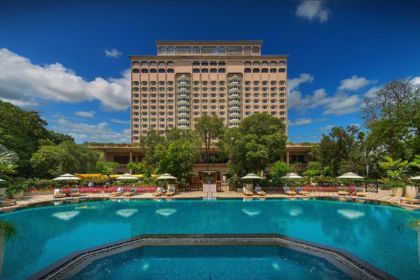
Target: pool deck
[381, 196]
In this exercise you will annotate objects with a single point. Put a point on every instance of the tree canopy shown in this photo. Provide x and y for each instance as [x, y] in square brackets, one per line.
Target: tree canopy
[259, 140]
[24, 132]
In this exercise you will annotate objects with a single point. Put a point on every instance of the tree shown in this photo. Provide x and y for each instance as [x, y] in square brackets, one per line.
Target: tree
[259, 140]
[137, 168]
[106, 167]
[210, 128]
[8, 160]
[177, 158]
[342, 150]
[23, 132]
[395, 169]
[149, 143]
[280, 169]
[66, 157]
[393, 117]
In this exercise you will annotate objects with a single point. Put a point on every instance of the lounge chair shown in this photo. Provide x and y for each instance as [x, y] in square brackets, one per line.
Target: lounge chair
[409, 201]
[247, 192]
[171, 190]
[132, 192]
[58, 193]
[300, 191]
[260, 192]
[159, 192]
[6, 202]
[342, 191]
[74, 192]
[360, 192]
[119, 192]
[289, 192]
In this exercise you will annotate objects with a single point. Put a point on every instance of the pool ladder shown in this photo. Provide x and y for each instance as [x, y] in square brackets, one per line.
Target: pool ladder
[210, 196]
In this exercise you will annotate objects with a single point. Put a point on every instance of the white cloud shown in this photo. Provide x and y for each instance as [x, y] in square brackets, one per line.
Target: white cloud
[83, 132]
[296, 82]
[24, 83]
[85, 114]
[415, 81]
[304, 121]
[113, 53]
[371, 92]
[120, 121]
[312, 10]
[354, 83]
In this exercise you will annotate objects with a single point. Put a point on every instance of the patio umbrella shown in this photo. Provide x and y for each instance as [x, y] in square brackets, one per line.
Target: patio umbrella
[127, 177]
[350, 175]
[415, 178]
[251, 176]
[166, 176]
[1, 180]
[292, 176]
[67, 177]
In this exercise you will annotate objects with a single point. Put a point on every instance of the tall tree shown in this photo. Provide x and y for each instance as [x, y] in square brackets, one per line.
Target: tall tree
[8, 160]
[393, 116]
[149, 143]
[66, 157]
[210, 128]
[23, 132]
[259, 140]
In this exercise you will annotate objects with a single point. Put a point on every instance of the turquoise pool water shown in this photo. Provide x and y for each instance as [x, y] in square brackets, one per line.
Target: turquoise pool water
[378, 234]
[211, 262]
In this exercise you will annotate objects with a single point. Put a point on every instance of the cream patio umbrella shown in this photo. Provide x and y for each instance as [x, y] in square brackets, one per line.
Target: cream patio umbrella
[251, 177]
[349, 175]
[1, 180]
[166, 177]
[127, 177]
[292, 176]
[415, 178]
[67, 177]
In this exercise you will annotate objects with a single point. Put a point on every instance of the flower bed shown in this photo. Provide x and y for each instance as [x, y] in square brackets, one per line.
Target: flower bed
[142, 189]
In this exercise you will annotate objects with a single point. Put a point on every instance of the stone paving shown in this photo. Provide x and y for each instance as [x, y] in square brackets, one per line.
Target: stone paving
[381, 196]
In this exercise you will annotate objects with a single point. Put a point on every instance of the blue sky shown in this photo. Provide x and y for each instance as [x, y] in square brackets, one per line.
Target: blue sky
[68, 59]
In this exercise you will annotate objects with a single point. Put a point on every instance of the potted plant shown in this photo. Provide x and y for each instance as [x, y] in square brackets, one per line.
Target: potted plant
[395, 169]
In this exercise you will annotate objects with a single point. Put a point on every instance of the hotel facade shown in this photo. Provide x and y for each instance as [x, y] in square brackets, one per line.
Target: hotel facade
[187, 79]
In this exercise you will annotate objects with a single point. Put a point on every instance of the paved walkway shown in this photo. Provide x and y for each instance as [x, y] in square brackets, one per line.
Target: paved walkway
[381, 196]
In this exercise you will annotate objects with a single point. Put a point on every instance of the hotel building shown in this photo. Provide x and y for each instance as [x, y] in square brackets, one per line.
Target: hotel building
[187, 79]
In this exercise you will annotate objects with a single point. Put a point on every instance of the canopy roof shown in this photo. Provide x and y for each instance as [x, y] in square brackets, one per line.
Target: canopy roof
[166, 176]
[66, 177]
[251, 176]
[350, 175]
[292, 175]
[127, 176]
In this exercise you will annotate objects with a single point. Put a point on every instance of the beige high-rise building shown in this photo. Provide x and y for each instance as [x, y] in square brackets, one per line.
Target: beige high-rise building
[187, 79]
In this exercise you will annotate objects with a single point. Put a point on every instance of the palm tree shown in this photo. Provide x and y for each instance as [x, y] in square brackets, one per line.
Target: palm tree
[7, 231]
[8, 160]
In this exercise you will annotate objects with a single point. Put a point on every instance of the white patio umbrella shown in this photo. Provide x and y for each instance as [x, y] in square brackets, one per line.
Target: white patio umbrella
[166, 176]
[415, 178]
[127, 177]
[292, 176]
[67, 177]
[251, 176]
[1, 180]
[350, 175]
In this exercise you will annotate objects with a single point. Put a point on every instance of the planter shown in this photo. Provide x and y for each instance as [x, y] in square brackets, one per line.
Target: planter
[410, 192]
[397, 192]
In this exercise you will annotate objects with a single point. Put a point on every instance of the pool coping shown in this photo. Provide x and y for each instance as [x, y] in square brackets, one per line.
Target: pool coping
[82, 199]
[353, 266]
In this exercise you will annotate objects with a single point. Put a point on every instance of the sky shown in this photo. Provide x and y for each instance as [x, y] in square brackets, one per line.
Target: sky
[68, 60]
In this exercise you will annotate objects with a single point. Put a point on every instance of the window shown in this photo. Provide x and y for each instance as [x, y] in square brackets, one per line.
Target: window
[196, 50]
[153, 70]
[256, 70]
[135, 70]
[170, 70]
[247, 70]
[204, 70]
[256, 50]
[234, 50]
[204, 63]
[264, 70]
[222, 63]
[282, 70]
[221, 50]
[161, 70]
[170, 63]
[213, 70]
[213, 63]
[196, 63]
[196, 70]
[273, 70]
[222, 70]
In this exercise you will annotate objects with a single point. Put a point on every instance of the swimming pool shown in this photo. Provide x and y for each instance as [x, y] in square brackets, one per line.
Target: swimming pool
[211, 262]
[378, 234]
